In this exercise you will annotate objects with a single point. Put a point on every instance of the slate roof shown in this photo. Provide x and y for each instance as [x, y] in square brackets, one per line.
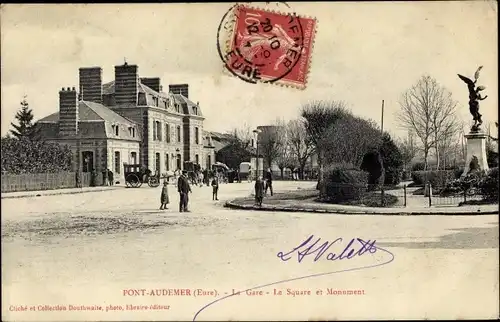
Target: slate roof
[91, 112]
[109, 89]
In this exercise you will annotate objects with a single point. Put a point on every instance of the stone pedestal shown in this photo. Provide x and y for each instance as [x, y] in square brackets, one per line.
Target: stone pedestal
[476, 147]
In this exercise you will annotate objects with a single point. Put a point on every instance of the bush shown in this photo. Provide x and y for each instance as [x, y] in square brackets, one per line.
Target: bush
[30, 156]
[435, 178]
[392, 159]
[468, 183]
[418, 166]
[489, 185]
[343, 185]
[373, 165]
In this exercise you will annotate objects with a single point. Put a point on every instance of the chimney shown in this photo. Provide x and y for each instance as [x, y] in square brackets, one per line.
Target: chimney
[182, 89]
[126, 83]
[91, 84]
[68, 112]
[152, 82]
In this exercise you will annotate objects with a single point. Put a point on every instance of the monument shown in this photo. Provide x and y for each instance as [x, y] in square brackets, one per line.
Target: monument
[476, 139]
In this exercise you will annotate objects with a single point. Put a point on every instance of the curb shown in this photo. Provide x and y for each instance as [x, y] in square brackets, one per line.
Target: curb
[232, 205]
[57, 193]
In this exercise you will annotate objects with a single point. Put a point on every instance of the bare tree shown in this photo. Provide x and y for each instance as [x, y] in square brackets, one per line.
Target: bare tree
[271, 141]
[319, 116]
[428, 110]
[408, 149]
[300, 144]
[284, 158]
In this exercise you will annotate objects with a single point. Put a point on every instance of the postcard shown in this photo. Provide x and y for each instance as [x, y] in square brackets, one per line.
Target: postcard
[265, 161]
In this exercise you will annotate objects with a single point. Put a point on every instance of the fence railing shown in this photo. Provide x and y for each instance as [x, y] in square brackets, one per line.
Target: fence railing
[46, 181]
[398, 196]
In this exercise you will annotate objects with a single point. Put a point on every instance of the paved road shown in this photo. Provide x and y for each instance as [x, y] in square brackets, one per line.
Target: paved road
[86, 249]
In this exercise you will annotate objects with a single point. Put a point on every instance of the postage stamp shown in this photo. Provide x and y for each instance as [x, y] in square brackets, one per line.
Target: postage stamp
[266, 46]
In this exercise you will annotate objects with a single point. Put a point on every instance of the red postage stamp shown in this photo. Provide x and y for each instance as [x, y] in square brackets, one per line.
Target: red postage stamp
[267, 46]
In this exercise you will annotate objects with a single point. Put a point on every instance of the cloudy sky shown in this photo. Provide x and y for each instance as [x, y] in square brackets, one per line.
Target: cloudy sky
[363, 53]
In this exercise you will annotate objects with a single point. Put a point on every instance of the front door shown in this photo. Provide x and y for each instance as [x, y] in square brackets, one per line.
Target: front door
[87, 161]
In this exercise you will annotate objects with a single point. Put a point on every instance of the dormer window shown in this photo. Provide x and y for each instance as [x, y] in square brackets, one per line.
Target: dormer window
[177, 109]
[195, 110]
[166, 104]
[131, 131]
[115, 129]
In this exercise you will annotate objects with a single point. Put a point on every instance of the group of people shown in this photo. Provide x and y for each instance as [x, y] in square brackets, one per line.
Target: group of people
[184, 189]
[262, 185]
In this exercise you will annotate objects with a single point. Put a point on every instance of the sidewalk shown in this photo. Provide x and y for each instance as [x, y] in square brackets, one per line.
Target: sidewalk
[316, 207]
[67, 191]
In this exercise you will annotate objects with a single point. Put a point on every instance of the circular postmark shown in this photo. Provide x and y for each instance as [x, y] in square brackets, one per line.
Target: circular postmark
[258, 45]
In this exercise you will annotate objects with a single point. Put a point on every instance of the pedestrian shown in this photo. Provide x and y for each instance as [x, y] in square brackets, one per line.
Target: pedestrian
[259, 191]
[215, 188]
[93, 178]
[269, 181]
[184, 189]
[201, 178]
[238, 178]
[110, 177]
[104, 177]
[164, 196]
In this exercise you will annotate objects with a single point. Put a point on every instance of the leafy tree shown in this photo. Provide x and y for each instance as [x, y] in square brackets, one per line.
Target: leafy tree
[319, 116]
[392, 160]
[350, 139]
[25, 126]
[374, 165]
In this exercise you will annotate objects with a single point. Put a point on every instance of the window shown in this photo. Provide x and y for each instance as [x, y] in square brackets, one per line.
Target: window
[117, 128]
[131, 131]
[197, 135]
[157, 131]
[177, 109]
[166, 104]
[178, 133]
[155, 101]
[197, 159]
[133, 157]
[117, 162]
[167, 132]
[167, 161]
[195, 110]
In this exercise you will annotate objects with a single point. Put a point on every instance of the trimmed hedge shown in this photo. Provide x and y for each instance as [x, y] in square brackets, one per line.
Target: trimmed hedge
[342, 185]
[435, 178]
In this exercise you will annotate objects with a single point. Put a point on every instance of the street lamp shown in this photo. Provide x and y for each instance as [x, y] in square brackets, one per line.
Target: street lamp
[257, 132]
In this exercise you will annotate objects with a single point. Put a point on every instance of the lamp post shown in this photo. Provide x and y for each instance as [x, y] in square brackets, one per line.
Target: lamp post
[257, 132]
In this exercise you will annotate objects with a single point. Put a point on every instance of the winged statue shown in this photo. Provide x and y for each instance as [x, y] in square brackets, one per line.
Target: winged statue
[474, 97]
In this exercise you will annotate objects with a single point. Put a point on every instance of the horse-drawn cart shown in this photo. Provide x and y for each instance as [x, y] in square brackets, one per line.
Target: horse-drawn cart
[136, 175]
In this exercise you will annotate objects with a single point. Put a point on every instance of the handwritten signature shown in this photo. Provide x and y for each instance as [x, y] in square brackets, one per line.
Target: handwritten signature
[349, 251]
[304, 250]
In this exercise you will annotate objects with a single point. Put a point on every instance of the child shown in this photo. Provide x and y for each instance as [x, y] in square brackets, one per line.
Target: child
[164, 196]
[215, 187]
[259, 191]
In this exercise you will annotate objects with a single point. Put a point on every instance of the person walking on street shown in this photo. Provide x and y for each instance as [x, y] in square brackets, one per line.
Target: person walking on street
[110, 177]
[184, 189]
[269, 181]
[215, 188]
[259, 191]
[164, 196]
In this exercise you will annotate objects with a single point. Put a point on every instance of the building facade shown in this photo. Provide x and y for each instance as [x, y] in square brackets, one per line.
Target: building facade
[129, 120]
